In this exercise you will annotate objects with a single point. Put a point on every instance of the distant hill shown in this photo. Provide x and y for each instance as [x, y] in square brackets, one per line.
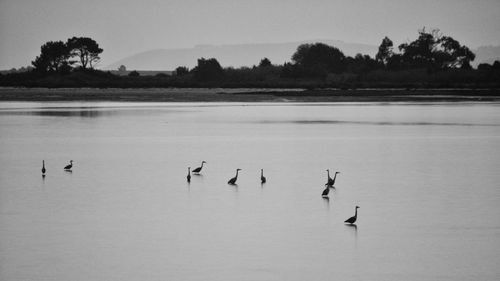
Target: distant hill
[486, 54]
[251, 54]
[229, 55]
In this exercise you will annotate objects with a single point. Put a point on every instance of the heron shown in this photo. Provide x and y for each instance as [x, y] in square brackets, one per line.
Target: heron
[198, 170]
[331, 181]
[262, 178]
[68, 167]
[352, 220]
[233, 180]
[43, 167]
[189, 174]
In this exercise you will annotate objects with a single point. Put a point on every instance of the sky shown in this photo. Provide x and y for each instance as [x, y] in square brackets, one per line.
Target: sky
[126, 27]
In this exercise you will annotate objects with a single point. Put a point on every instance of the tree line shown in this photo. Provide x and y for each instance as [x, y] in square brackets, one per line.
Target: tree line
[431, 60]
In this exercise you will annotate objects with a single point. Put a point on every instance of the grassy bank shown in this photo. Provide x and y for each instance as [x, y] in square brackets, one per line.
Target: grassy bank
[247, 95]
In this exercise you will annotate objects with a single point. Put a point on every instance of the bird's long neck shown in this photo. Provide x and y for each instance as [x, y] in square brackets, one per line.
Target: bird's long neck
[189, 171]
[261, 173]
[237, 173]
[43, 163]
[328, 173]
[356, 213]
[202, 164]
[334, 177]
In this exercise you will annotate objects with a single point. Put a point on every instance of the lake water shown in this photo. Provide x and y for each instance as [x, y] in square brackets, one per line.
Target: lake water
[426, 178]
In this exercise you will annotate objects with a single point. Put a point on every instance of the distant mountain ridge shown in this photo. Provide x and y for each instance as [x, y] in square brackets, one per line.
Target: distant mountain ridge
[486, 54]
[250, 54]
[229, 55]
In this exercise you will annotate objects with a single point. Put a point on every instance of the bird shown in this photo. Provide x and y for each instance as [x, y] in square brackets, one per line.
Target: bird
[262, 178]
[189, 174]
[233, 180]
[43, 167]
[352, 220]
[325, 192]
[331, 181]
[198, 170]
[68, 167]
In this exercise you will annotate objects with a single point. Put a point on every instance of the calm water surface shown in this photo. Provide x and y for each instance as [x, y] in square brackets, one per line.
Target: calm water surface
[426, 177]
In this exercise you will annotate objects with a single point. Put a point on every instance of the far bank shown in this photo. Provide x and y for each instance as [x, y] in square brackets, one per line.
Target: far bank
[248, 95]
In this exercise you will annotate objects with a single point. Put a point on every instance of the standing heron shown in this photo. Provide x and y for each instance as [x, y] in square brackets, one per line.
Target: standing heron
[43, 168]
[198, 170]
[233, 180]
[262, 178]
[331, 181]
[189, 174]
[68, 167]
[352, 220]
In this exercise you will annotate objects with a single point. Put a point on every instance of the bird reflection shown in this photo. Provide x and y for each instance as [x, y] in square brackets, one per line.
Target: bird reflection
[326, 200]
[354, 228]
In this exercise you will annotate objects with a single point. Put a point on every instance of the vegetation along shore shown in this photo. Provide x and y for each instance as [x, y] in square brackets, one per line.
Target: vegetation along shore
[248, 95]
[432, 64]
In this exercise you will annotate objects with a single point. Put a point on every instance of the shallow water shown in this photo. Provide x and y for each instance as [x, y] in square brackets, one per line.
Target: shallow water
[424, 175]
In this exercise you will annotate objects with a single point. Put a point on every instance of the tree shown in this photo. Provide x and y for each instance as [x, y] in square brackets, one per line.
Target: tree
[85, 49]
[208, 70]
[384, 51]
[265, 62]
[361, 64]
[53, 57]
[453, 55]
[122, 68]
[319, 59]
[181, 70]
[134, 73]
[434, 51]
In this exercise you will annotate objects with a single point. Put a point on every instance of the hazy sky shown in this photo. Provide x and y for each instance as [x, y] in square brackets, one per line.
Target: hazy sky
[125, 27]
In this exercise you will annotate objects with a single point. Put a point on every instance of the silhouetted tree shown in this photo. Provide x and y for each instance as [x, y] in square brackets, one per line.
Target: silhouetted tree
[433, 51]
[122, 68]
[384, 51]
[451, 54]
[53, 56]
[208, 70]
[181, 70]
[318, 59]
[134, 74]
[496, 65]
[85, 49]
[265, 62]
[361, 64]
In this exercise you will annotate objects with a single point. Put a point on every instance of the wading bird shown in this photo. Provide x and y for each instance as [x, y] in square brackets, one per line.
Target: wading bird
[189, 174]
[43, 167]
[198, 170]
[262, 178]
[233, 180]
[352, 220]
[68, 167]
[331, 181]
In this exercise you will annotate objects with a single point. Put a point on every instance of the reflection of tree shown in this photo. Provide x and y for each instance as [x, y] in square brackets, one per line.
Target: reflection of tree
[84, 113]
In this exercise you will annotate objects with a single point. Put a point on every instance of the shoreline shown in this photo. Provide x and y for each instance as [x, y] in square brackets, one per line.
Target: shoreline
[247, 95]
